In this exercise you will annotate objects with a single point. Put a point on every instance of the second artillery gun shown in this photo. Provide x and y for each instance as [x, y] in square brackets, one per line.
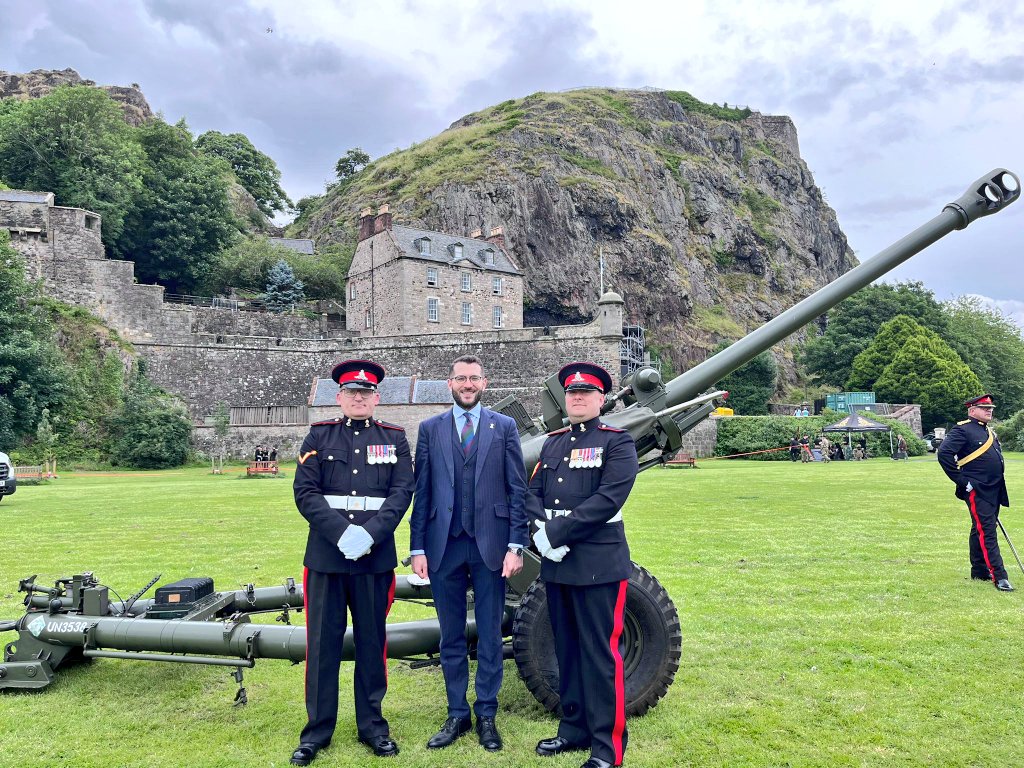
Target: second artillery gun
[190, 623]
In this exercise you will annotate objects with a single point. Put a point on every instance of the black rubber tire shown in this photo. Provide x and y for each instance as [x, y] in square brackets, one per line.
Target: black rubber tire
[653, 644]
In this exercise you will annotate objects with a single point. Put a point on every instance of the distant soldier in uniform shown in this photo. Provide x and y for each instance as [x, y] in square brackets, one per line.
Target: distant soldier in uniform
[805, 450]
[972, 458]
[353, 483]
[577, 490]
[826, 450]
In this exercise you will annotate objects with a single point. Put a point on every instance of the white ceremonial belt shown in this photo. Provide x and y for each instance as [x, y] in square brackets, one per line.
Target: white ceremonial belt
[358, 503]
[552, 513]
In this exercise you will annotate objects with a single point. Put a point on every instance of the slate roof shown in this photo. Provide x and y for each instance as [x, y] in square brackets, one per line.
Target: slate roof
[302, 246]
[394, 390]
[442, 252]
[24, 196]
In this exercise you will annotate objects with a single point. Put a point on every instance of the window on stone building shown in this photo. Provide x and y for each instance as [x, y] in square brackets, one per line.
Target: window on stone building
[496, 286]
[498, 320]
[467, 313]
[432, 310]
[431, 276]
[467, 281]
[489, 257]
[368, 320]
[457, 250]
[425, 246]
[351, 289]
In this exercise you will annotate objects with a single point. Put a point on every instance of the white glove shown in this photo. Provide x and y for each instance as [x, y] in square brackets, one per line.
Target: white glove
[540, 538]
[355, 542]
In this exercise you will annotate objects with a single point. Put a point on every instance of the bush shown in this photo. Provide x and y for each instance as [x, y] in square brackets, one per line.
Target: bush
[152, 429]
[1011, 432]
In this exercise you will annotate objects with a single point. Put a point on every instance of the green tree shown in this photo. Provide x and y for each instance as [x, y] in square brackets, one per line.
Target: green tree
[182, 219]
[283, 290]
[351, 163]
[221, 429]
[31, 370]
[752, 385]
[255, 171]
[891, 336]
[992, 345]
[75, 143]
[927, 371]
[853, 323]
[152, 429]
[246, 266]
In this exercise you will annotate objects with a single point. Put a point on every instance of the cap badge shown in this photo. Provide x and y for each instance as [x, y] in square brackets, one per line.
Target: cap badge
[578, 376]
[362, 375]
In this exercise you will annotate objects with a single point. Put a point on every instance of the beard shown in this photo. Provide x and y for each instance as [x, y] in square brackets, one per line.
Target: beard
[474, 398]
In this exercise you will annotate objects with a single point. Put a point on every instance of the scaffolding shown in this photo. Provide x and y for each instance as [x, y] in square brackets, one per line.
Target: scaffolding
[632, 349]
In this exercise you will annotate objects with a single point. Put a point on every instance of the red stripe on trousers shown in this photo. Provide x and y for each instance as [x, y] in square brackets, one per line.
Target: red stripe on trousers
[305, 609]
[981, 534]
[391, 600]
[620, 685]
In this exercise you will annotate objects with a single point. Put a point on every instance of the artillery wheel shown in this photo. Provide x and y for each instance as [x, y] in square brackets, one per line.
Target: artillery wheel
[653, 643]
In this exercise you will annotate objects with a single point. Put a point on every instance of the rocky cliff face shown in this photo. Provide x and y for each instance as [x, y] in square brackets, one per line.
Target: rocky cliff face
[40, 82]
[708, 220]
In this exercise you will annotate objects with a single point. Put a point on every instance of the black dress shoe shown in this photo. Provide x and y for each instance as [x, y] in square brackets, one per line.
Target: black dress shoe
[451, 730]
[980, 578]
[1003, 585]
[490, 739]
[382, 746]
[596, 762]
[557, 745]
[304, 754]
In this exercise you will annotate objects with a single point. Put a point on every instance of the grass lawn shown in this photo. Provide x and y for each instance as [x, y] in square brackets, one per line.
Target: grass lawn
[826, 613]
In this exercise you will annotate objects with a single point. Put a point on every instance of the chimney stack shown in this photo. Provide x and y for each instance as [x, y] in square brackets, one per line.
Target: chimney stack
[365, 223]
[476, 233]
[383, 220]
[497, 237]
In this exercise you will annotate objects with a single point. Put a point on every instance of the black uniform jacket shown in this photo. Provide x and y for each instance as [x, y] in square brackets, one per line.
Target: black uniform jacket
[598, 552]
[985, 473]
[344, 457]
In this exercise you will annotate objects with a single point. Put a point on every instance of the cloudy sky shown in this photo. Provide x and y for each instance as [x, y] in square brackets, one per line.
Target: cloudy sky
[899, 106]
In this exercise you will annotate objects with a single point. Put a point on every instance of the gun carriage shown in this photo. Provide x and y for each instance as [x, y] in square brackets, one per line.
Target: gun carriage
[188, 622]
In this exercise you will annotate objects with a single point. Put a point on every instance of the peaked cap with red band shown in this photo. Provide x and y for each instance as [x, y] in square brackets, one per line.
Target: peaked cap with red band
[358, 374]
[984, 401]
[585, 376]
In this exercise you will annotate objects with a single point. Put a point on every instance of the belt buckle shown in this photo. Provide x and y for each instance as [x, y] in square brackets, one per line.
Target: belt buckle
[357, 503]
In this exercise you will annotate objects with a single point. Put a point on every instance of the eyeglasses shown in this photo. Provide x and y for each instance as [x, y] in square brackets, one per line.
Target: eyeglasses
[464, 379]
[362, 393]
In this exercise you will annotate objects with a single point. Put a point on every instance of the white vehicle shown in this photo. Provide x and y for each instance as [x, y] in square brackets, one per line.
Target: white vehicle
[8, 482]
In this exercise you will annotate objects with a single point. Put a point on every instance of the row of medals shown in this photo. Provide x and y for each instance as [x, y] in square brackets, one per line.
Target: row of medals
[585, 457]
[381, 454]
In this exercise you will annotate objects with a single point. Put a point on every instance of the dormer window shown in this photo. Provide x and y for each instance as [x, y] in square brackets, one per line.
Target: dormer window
[457, 251]
[489, 257]
[424, 246]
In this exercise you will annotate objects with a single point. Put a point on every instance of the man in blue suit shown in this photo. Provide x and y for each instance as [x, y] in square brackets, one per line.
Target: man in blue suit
[469, 527]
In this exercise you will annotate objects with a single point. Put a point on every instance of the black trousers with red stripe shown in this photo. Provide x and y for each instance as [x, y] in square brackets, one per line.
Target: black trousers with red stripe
[329, 597]
[986, 562]
[587, 627]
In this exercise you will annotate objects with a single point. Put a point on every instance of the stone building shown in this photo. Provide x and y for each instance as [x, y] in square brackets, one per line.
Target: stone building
[414, 281]
[261, 364]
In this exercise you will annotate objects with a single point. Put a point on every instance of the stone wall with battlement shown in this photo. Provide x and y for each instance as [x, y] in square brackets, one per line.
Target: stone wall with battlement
[212, 355]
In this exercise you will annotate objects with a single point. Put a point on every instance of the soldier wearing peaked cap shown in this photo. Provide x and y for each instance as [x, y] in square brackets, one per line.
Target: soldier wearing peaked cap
[973, 459]
[353, 484]
[577, 490]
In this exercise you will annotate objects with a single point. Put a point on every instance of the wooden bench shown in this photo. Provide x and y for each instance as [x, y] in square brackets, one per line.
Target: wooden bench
[28, 473]
[683, 459]
[261, 468]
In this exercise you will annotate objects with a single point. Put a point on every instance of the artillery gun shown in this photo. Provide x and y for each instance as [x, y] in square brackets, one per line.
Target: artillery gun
[187, 622]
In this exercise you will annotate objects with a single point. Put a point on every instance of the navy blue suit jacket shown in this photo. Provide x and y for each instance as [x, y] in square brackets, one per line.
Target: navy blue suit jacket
[499, 514]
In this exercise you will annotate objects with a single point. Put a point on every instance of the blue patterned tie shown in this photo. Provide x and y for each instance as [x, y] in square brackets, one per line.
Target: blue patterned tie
[467, 434]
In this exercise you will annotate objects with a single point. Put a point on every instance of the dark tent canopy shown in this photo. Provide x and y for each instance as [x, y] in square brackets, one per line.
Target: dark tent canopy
[855, 422]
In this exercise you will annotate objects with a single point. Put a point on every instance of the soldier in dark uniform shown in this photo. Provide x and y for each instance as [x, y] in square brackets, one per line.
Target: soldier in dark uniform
[353, 483]
[972, 458]
[577, 490]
